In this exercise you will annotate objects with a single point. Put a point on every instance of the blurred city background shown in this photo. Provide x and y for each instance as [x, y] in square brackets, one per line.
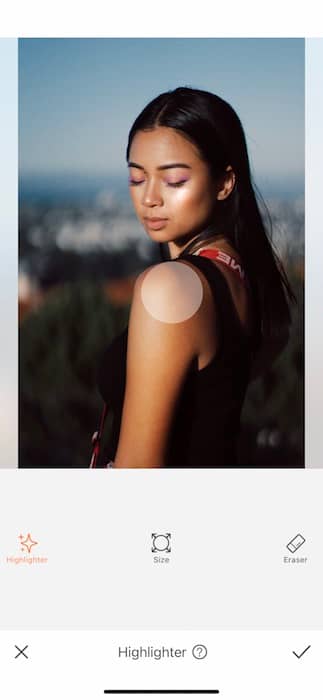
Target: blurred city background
[81, 247]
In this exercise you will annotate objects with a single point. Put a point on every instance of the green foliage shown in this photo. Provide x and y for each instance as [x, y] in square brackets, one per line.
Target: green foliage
[60, 346]
[276, 400]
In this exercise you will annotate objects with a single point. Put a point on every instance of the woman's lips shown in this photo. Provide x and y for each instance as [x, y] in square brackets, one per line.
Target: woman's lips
[155, 223]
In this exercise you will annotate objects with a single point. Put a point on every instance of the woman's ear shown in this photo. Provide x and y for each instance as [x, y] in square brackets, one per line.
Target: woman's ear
[227, 184]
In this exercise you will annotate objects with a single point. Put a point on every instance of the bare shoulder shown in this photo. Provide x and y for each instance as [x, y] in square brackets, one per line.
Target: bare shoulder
[174, 274]
[171, 292]
[173, 312]
[172, 317]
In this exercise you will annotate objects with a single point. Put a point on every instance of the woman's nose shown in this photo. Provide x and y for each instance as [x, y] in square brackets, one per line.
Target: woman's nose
[151, 195]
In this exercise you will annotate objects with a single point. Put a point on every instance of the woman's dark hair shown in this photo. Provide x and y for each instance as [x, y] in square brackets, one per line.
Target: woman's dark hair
[214, 128]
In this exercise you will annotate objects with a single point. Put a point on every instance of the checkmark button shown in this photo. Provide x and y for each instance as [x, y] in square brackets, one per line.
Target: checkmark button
[302, 652]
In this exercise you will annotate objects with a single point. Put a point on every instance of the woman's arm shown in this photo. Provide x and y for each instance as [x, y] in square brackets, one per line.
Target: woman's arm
[159, 355]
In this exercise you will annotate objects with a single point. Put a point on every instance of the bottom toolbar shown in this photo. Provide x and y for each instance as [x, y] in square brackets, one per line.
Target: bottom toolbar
[90, 665]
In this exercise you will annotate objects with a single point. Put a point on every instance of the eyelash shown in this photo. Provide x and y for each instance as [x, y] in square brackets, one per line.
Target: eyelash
[169, 184]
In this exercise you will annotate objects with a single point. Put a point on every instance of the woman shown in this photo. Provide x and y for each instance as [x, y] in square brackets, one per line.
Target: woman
[215, 312]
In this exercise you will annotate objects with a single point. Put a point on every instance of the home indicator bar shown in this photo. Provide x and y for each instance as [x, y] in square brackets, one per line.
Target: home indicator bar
[176, 691]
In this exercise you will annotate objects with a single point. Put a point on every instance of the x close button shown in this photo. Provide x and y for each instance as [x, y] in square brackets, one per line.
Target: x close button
[21, 652]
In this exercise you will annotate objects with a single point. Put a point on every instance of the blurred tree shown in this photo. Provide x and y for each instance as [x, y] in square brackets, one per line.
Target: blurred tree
[60, 345]
[273, 414]
[58, 355]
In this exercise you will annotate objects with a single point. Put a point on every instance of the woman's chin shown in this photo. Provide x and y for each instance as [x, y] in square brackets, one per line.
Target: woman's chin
[165, 236]
[159, 236]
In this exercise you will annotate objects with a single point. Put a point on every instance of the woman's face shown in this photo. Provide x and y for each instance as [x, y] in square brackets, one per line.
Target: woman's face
[169, 181]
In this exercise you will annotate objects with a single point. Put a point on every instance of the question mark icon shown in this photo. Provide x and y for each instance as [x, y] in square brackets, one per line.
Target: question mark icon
[199, 651]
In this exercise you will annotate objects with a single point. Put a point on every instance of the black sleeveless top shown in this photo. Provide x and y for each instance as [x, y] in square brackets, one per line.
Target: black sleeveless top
[207, 418]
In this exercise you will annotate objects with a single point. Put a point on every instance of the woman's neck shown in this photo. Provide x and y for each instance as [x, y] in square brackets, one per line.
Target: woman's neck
[220, 242]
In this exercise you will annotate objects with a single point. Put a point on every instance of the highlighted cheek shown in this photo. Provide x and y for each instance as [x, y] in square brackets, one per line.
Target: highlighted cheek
[172, 292]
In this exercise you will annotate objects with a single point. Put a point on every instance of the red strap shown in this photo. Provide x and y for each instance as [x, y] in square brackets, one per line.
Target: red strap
[225, 258]
[96, 438]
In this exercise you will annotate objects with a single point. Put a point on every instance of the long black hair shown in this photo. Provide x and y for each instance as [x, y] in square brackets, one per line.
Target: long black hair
[213, 126]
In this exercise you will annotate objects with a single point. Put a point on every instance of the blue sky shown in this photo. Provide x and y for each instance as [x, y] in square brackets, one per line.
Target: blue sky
[79, 97]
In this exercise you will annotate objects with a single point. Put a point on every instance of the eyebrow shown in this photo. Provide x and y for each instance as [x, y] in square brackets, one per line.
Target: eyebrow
[131, 164]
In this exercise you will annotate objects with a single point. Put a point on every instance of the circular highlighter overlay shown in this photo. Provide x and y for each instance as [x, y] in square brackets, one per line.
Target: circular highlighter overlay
[184, 292]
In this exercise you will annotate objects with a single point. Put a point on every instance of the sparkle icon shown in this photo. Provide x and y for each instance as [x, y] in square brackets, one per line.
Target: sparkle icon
[27, 543]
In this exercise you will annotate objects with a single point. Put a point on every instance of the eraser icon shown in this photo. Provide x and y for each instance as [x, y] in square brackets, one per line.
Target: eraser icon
[295, 543]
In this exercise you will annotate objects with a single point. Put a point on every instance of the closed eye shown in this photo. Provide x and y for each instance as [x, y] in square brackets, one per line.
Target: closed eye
[176, 184]
[169, 184]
